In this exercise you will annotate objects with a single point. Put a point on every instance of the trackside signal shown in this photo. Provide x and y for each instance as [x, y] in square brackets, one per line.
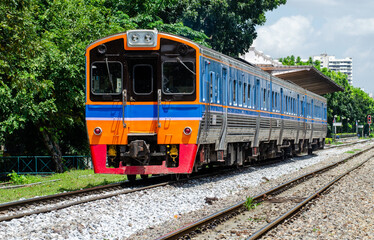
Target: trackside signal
[369, 119]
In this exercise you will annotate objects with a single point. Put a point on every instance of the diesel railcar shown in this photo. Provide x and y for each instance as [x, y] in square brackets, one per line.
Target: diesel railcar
[157, 103]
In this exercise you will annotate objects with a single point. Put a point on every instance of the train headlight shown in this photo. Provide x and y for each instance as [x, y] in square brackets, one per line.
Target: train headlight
[134, 38]
[98, 131]
[187, 131]
[142, 38]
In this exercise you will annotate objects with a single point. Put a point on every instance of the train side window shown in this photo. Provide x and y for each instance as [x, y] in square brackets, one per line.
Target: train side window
[240, 90]
[234, 92]
[211, 75]
[285, 104]
[217, 90]
[281, 101]
[276, 101]
[302, 109]
[292, 106]
[256, 95]
[264, 98]
[230, 92]
[224, 89]
[244, 97]
[249, 95]
[106, 78]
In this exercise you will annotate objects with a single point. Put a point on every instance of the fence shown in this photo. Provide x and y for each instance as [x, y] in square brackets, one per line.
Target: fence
[41, 164]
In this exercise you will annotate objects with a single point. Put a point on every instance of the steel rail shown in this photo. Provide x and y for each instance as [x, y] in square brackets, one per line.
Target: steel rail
[346, 144]
[87, 199]
[19, 203]
[204, 221]
[292, 211]
[65, 205]
[58, 195]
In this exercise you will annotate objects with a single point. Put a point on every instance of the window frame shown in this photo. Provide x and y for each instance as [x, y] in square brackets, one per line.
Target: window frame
[133, 79]
[92, 79]
[162, 78]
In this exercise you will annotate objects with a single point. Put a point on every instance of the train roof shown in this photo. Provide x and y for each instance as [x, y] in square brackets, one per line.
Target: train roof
[307, 77]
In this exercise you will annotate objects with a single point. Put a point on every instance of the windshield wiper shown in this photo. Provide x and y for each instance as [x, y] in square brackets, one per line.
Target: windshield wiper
[110, 75]
[186, 66]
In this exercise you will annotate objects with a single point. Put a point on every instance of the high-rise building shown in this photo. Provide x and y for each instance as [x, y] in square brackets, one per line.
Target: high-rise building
[338, 65]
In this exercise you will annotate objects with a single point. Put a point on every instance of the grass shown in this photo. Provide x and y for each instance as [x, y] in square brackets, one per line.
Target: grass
[250, 203]
[353, 151]
[69, 181]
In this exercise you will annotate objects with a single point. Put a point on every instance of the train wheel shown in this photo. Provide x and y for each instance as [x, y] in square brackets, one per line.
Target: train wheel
[131, 178]
[310, 151]
[144, 176]
[175, 177]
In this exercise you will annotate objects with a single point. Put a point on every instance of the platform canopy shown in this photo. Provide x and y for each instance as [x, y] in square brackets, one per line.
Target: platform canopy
[307, 77]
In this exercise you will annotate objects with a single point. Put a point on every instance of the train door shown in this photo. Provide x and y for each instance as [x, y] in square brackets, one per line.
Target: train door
[312, 120]
[282, 110]
[207, 97]
[298, 117]
[305, 115]
[257, 103]
[223, 96]
[270, 105]
[141, 86]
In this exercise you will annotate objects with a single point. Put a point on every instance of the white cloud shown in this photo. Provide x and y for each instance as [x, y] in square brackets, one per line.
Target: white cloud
[314, 2]
[289, 35]
[350, 26]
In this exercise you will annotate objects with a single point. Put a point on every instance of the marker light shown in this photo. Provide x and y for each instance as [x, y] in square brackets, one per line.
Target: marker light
[142, 38]
[187, 131]
[101, 49]
[98, 131]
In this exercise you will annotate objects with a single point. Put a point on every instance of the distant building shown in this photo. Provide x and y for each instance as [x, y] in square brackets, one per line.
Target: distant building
[259, 58]
[338, 65]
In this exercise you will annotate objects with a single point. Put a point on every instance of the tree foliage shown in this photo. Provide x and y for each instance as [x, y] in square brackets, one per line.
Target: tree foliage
[42, 64]
[349, 106]
[227, 26]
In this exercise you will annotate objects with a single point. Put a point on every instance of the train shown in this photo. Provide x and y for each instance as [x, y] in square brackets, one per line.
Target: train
[158, 103]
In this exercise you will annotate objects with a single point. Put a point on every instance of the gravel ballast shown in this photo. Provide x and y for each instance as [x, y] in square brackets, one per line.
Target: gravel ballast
[345, 212]
[150, 213]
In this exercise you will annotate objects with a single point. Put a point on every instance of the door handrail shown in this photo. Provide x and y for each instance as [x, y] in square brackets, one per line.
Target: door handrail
[124, 99]
[158, 107]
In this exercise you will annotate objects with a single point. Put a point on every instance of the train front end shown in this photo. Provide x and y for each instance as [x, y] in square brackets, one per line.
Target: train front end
[142, 110]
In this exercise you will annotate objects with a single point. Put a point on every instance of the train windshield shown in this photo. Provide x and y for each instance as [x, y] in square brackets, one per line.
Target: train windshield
[178, 77]
[106, 77]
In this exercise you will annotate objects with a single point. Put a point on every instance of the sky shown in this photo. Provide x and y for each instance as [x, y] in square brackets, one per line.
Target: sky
[342, 28]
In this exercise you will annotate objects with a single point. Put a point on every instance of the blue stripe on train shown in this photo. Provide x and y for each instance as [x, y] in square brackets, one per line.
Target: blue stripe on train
[143, 111]
[171, 111]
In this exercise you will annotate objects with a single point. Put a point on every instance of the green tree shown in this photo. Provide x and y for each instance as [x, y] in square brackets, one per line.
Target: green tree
[353, 104]
[229, 25]
[42, 70]
[42, 65]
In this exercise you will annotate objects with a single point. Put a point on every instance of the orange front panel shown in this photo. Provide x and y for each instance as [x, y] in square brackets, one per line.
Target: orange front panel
[115, 133]
[171, 132]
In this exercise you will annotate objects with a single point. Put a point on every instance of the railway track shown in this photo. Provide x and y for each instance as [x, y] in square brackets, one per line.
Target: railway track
[27, 207]
[22, 208]
[207, 226]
